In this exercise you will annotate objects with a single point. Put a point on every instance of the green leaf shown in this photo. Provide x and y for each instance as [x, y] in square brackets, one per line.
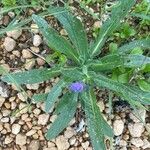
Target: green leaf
[9, 2]
[142, 16]
[53, 95]
[131, 93]
[118, 13]
[74, 28]
[40, 97]
[97, 126]
[72, 74]
[31, 76]
[61, 105]
[127, 48]
[54, 40]
[145, 86]
[136, 60]
[110, 62]
[63, 118]
[124, 78]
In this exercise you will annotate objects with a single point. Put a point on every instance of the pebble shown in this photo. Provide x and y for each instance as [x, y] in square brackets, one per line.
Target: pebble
[118, 127]
[101, 105]
[4, 92]
[35, 49]
[34, 28]
[31, 132]
[22, 96]
[9, 44]
[2, 100]
[146, 144]
[137, 142]
[97, 24]
[29, 64]
[26, 54]
[14, 34]
[72, 140]
[5, 119]
[21, 139]
[62, 143]
[43, 119]
[142, 114]
[85, 145]
[34, 145]
[16, 128]
[50, 144]
[23, 108]
[136, 129]
[37, 40]
[69, 133]
[36, 111]
[8, 140]
[32, 86]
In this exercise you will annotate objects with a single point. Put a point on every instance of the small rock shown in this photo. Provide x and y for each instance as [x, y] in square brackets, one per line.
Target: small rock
[136, 129]
[35, 49]
[97, 24]
[32, 86]
[118, 126]
[14, 34]
[22, 96]
[43, 119]
[26, 54]
[40, 61]
[85, 145]
[137, 142]
[34, 28]
[69, 133]
[31, 132]
[34, 145]
[101, 105]
[9, 44]
[72, 140]
[37, 40]
[1, 127]
[21, 139]
[142, 114]
[51, 144]
[16, 128]
[5, 67]
[29, 64]
[8, 140]
[146, 144]
[16, 53]
[62, 143]
[36, 111]
[123, 143]
[23, 108]
[5, 119]
[63, 32]
[4, 92]
[2, 100]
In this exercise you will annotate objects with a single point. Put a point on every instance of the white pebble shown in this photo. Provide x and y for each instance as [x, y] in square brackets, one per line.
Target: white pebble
[37, 40]
[9, 44]
[118, 127]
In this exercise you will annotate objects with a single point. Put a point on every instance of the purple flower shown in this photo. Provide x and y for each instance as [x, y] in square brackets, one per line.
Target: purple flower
[76, 87]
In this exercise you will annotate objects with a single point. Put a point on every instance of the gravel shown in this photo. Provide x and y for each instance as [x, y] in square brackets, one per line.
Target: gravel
[9, 44]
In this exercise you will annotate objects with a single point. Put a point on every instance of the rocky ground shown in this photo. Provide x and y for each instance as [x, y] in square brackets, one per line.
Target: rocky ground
[25, 129]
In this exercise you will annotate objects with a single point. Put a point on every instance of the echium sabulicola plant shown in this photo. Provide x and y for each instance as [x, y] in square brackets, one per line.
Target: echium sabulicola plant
[84, 71]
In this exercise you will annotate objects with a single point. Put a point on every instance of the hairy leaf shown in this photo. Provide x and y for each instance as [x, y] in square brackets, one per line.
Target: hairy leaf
[97, 126]
[129, 92]
[118, 13]
[53, 95]
[127, 48]
[63, 118]
[31, 76]
[54, 40]
[74, 28]
[40, 97]
[110, 62]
